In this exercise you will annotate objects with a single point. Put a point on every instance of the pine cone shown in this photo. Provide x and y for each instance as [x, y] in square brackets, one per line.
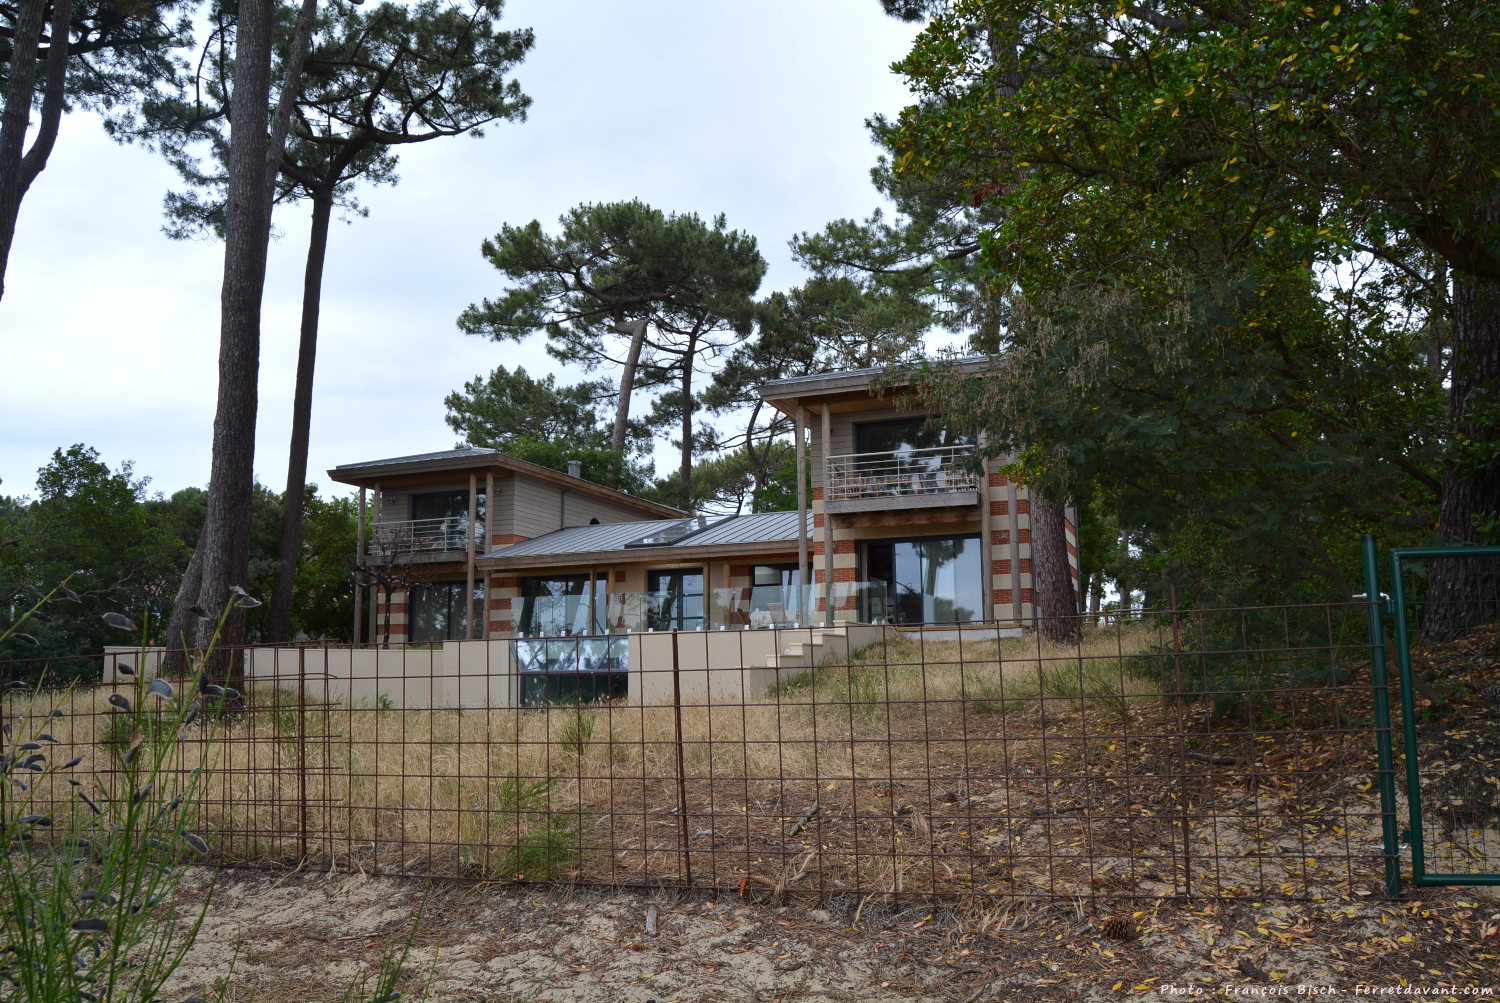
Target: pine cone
[1119, 928]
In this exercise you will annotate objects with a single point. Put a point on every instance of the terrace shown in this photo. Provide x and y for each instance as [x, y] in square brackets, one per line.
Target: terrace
[903, 478]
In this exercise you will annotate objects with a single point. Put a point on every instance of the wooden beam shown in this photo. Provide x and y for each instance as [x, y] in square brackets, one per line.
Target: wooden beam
[827, 519]
[804, 571]
[470, 527]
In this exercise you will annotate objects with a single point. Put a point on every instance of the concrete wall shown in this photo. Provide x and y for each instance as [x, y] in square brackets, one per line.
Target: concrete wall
[714, 667]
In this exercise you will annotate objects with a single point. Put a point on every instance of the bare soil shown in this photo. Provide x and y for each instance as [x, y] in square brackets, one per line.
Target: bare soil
[279, 938]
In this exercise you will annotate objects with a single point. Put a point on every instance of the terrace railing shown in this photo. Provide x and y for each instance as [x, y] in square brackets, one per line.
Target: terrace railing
[936, 470]
[739, 608]
[423, 536]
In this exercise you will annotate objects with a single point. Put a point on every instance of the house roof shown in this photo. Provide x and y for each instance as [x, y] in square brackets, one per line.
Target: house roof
[846, 383]
[467, 458]
[656, 540]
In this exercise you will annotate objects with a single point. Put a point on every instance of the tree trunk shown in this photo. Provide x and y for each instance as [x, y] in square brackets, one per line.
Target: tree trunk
[637, 329]
[18, 170]
[279, 618]
[1466, 591]
[225, 544]
[182, 625]
[685, 461]
[1056, 604]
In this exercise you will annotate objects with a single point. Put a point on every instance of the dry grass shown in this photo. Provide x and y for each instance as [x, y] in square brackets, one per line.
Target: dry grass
[897, 771]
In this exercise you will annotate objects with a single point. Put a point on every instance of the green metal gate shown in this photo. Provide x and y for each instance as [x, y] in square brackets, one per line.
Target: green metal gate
[1445, 611]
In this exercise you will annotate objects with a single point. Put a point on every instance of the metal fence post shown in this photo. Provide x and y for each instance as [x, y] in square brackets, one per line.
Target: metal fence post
[1384, 758]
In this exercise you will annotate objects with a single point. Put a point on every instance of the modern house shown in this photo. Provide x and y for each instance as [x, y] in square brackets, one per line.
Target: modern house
[900, 524]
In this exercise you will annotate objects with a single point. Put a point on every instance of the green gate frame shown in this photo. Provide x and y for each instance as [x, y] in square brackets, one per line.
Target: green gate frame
[1414, 835]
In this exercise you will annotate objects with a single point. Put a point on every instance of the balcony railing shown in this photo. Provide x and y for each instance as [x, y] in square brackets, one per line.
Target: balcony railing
[937, 470]
[722, 609]
[422, 536]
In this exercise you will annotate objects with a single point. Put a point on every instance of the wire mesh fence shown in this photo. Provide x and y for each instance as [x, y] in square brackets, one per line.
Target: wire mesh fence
[1206, 753]
[1447, 621]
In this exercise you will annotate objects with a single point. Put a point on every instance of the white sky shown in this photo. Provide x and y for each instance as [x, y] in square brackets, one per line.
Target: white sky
[109, 330]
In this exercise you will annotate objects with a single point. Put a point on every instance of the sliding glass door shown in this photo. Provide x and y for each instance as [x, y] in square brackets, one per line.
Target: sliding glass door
[935, 579]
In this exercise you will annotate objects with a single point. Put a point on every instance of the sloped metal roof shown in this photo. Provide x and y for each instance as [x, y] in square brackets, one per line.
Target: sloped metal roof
[467, 452]
[761, 527]
[766, 527]
[585, 539]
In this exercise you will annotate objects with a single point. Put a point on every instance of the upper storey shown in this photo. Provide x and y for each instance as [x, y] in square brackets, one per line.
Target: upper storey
[872, 449]
[430, 506]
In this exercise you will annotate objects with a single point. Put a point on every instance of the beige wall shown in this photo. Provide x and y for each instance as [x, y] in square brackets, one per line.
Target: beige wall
[714, 667]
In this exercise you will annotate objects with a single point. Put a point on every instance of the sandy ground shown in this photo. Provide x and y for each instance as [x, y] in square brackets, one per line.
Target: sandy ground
[304, 937]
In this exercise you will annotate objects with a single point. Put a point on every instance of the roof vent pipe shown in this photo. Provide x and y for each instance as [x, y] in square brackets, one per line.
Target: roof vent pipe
[575, 468]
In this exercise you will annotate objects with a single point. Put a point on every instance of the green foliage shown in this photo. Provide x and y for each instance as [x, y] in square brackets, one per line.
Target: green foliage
[88, 886]
[119, 549]
[625, 285]
[323, 594]
[520, 834]
[93, 527]
[1217, 310]
[374, 80]
[547, 424]
[577, 729]
[494, 411]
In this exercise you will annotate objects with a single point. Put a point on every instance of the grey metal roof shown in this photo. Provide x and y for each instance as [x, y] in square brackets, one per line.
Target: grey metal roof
[585, 539]
[467, 452]
[761, 527]
[766, 527]
[851, 379]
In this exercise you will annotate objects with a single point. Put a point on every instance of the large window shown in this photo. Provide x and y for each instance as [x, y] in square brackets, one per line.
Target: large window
[938, 579]
[675, 600]
[905, 435]
[775, 592]
[437, 611]
[572, 670]
[442, 518]
[562, 606]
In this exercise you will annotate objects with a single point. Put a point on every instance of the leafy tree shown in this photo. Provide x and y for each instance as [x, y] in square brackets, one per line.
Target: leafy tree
[323, 603]
[371, 82]
[544, 423]
[96, 54]
[90, 526]
[613, 275]
[1245, 147]
[760, 480]
[495, 410]
[222, 555]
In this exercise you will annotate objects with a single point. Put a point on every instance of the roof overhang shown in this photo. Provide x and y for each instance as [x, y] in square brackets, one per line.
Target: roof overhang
[483, 461]
[851, 390]
[640, 555]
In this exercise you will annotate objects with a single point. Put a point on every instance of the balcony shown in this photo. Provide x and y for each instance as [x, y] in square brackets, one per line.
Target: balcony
[422, 539]
[909, 478]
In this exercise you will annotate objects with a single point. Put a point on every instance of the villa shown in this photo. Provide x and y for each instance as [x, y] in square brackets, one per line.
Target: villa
[899, 524]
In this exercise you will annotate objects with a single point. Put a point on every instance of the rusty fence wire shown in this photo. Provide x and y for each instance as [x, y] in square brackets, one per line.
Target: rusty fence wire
[1213, 753]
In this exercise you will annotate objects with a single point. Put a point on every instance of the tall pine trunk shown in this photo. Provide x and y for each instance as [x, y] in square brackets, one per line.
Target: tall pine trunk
[1466, 591]
[19, 169]
[637, 329]
[1056, 603]
[224, 547]
[279, 618]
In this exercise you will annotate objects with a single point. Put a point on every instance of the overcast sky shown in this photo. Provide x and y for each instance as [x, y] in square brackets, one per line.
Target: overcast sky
[110, 330]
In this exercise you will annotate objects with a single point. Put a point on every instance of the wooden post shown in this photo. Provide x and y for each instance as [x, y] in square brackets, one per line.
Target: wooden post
[986, 534]
[359, 560]
[489, 541]
[804, 572]
[377, 509]
[470, 527]
[827, 519]
[1015, 550]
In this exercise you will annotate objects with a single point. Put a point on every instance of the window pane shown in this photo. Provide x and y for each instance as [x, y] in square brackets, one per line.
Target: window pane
[929, 580]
